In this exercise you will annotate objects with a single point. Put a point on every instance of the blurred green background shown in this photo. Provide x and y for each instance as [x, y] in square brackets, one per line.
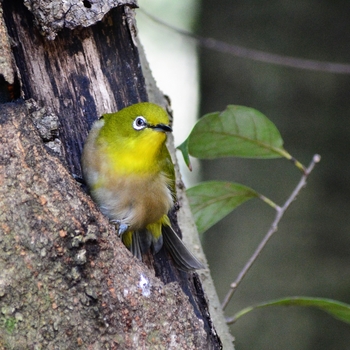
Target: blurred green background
[310, 253]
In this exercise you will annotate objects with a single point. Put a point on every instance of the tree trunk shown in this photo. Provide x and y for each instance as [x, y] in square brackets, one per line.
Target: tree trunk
[66, 280]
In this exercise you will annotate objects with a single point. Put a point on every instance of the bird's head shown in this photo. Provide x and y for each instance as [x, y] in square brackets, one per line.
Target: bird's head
[134, 137]
[137, 123]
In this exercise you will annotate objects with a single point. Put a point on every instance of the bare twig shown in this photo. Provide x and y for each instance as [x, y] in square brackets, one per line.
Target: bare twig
[257, 55]
[279, 214]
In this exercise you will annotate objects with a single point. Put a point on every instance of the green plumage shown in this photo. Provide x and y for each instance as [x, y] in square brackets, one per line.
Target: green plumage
[130, 174]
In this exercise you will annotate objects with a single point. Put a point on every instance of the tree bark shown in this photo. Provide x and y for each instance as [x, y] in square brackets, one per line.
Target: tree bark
[66, 281]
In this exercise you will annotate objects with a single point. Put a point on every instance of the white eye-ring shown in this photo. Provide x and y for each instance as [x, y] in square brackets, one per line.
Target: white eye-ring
[139, 123]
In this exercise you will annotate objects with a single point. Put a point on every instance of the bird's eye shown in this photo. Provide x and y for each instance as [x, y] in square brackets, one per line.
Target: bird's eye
[139, 123]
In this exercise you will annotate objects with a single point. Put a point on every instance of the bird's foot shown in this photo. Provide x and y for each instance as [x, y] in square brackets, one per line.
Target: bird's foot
[121, 228]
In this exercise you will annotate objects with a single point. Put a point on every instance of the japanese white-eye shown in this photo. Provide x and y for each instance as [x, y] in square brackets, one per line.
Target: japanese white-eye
[130, 175]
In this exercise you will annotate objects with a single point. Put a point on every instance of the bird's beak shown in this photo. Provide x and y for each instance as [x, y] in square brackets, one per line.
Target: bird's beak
[161, 127]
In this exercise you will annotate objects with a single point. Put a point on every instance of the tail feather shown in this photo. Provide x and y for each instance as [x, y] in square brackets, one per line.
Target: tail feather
[183, 258]
[142, 240]
[136, 244]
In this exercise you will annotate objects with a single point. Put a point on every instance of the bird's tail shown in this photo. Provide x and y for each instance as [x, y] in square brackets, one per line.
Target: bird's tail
[139, 242]
[182, 257]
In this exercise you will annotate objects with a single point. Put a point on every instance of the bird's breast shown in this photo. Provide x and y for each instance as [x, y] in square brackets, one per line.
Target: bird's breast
[135, 200]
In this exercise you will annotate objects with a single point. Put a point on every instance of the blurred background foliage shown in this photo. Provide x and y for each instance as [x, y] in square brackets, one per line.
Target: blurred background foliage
[310, 254]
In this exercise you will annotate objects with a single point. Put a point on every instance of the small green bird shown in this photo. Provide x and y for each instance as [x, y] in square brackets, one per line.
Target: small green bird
[131, 177]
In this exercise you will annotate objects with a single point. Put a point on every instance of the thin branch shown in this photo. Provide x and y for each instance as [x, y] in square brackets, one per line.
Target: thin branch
[279, 214]
[257, 55]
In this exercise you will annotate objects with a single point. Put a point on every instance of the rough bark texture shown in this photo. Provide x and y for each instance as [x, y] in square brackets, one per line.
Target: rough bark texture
[53, 15]
[80, 75]
[65, 278]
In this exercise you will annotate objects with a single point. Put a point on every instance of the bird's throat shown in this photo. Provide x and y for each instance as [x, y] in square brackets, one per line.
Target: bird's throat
[138, 157]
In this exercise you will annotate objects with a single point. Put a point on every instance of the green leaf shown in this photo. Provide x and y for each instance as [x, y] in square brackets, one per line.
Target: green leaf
[211, 201]
[335, 308]
[237, 131]
[184, 150]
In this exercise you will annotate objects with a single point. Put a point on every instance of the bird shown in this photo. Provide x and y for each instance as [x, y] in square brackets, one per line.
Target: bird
[130, 175]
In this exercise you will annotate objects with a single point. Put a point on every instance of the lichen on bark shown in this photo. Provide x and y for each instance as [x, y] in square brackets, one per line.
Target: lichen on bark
[52, 16]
